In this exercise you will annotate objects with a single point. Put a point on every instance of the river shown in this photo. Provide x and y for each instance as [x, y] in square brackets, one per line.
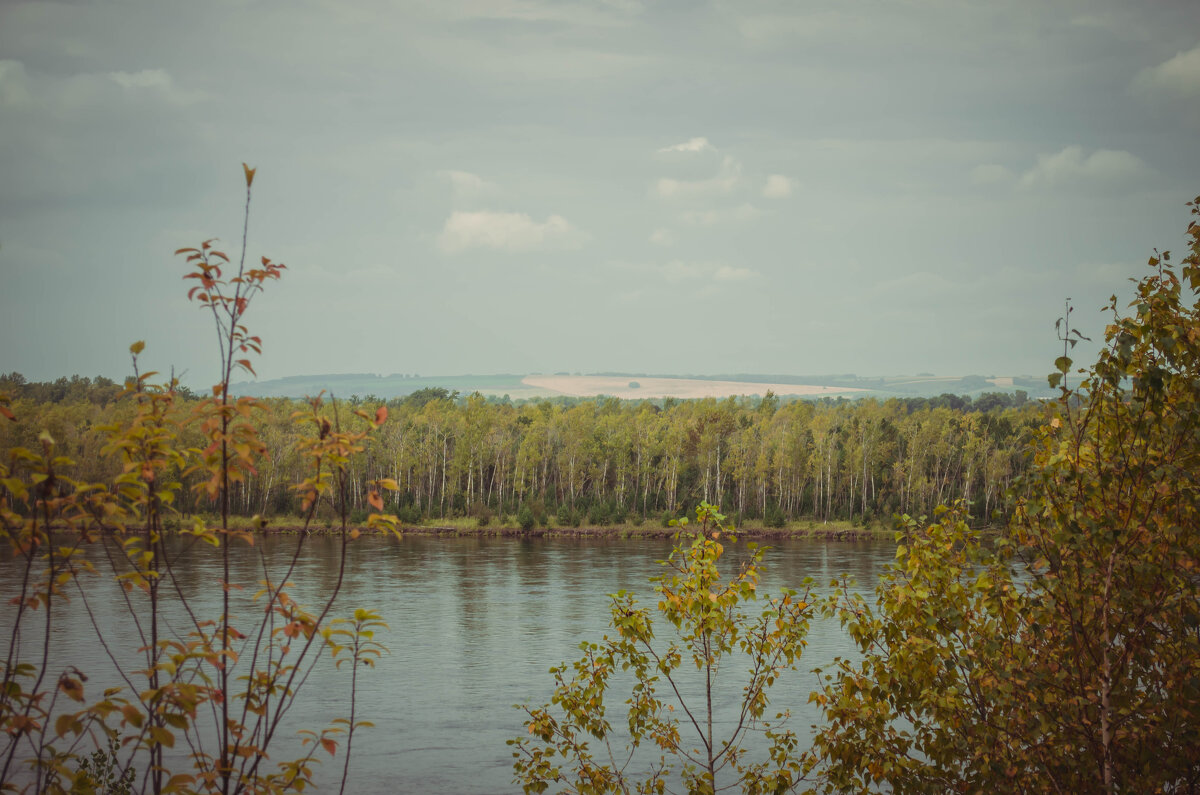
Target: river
[475, 623]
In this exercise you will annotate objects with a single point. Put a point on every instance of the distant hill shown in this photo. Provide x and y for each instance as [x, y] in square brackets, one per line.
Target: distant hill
[641, 385]
[345, 385]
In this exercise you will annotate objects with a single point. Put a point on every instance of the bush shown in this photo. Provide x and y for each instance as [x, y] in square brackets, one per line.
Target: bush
[409, 514]
[1062, 655]
[599, 514]
[525, 518]
[710, 622]
[219, 683]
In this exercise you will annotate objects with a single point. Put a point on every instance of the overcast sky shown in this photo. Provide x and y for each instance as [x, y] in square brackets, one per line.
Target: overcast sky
[485, 186]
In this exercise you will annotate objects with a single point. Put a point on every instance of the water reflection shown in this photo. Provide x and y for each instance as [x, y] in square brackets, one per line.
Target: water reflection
[475, 624]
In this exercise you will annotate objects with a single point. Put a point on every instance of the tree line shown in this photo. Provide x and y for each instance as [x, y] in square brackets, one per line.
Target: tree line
[606, 460]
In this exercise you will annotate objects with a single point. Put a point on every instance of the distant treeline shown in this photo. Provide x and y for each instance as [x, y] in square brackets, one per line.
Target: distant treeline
[606, 460]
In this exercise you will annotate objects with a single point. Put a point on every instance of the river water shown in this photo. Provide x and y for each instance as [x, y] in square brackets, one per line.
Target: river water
[475, 623]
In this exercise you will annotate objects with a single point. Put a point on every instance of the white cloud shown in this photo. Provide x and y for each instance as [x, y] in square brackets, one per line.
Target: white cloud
[1071, 166]
[602, 13]
[157, 81]
[741, 213]
[690, 145]
[147, 78]
[726, 179]
[662, 237]
[468, 186]
[726, 273]
[88, 90]
[507, 232]
[777, 187]
[678, 270]
[1177, 77]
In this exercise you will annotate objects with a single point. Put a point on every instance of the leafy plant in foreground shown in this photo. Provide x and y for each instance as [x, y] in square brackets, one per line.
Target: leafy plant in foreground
[672, 728]
[202, 708]
[1065, 655]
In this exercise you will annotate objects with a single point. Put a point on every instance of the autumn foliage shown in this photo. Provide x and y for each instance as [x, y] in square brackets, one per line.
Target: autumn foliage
[202, 708]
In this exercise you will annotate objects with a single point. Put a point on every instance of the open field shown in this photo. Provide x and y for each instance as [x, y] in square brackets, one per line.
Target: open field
[521, 386]
[639, 387]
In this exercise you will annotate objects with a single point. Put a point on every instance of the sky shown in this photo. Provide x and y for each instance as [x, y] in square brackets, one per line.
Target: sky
[520, 186]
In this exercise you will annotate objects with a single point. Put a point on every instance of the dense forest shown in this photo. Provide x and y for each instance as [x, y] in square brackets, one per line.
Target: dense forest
[603, 461]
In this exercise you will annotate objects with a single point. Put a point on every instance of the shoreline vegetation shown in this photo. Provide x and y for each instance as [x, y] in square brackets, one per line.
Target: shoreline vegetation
[834, 530]
[599, 463]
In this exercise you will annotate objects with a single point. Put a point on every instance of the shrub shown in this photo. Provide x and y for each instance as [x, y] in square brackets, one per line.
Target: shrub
[525, 518]
[1062, 655]
[664, 735]
[205, 684]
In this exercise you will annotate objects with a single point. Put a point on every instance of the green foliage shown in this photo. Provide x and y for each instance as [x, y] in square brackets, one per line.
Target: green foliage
[525, 518]
[201, 683]
[101, 774]
[668, 732]
[813, 460]
[599, 514]
[1062, 656]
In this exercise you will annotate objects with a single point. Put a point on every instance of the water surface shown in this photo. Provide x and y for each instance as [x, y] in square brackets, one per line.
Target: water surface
[474, 625]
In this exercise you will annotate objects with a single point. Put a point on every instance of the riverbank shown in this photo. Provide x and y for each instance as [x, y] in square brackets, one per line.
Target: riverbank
[830, 531]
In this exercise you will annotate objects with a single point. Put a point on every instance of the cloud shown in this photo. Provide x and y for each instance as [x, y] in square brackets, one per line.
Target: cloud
[156, 81]
[1177, 77]
[777, 187]
[726, 273]
[1072, 167]
[690, 145]
[662, 237]
[601, 13]
[677, 271]
[147, 78]
[507, 232]
[87, 91]
[739, 214]
[468, 186]
[726, 179]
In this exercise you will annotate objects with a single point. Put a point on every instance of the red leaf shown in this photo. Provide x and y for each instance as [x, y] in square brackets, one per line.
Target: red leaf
[381, 415]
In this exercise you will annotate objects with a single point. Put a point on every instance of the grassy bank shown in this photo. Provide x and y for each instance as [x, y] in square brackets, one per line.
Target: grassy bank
[508, 527]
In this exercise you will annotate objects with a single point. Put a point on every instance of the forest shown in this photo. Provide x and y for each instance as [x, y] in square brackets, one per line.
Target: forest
[602, 461]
